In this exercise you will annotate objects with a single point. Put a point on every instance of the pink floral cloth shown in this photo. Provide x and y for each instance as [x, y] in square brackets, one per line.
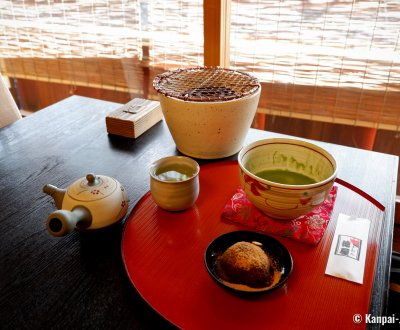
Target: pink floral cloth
[307, 228]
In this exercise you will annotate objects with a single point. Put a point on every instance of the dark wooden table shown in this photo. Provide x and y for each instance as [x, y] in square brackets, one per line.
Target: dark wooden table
[79, 281]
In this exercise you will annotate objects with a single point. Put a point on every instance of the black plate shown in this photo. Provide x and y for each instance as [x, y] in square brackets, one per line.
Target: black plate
[281, 259]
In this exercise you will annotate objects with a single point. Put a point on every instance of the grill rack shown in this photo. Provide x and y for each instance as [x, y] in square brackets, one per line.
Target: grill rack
[206, 84]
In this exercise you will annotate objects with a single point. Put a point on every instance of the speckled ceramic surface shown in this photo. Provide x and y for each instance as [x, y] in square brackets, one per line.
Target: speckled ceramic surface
[106, 199]
[91, 202]
[209, 130]
[279, 200]
[174, 182]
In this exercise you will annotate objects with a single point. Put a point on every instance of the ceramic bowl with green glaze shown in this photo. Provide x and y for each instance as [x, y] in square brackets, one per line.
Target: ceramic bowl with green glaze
[286, 178]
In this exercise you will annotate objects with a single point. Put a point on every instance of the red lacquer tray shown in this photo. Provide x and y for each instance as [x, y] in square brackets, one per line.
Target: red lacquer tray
[163, 254]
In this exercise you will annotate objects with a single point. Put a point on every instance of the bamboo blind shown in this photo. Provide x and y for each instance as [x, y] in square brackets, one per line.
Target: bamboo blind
[98, 43]
[326, 60]
[335, 60]
[176, 33]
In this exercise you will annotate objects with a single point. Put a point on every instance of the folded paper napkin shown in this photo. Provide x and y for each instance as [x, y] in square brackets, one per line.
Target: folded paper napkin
[307, 228]
[349, 249]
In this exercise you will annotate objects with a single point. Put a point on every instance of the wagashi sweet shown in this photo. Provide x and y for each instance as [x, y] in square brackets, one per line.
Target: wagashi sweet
[245, 263]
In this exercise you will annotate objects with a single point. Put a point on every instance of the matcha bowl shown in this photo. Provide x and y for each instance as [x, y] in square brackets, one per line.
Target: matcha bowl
[286, 178]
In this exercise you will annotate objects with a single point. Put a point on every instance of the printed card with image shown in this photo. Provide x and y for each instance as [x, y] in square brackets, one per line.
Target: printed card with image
[349, 249]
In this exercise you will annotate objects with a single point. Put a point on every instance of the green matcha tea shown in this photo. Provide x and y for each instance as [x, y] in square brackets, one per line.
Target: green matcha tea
[175, 172]
[285, 177]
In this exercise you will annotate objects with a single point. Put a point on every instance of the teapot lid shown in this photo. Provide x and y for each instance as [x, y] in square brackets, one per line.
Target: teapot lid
[92, 187]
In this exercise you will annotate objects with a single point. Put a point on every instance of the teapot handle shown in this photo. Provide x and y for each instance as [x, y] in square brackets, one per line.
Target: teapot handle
[61, 222]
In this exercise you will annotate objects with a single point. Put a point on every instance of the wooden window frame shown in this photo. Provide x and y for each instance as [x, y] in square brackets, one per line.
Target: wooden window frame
[217, 19]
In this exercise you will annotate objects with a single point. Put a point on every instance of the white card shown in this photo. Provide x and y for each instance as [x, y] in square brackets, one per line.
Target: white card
[349, 248]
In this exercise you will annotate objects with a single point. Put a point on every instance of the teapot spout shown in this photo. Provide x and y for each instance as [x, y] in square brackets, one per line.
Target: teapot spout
[56, 193]
[62, 222]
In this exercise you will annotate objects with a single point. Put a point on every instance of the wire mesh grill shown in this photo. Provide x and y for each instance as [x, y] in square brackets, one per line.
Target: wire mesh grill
[205, 84]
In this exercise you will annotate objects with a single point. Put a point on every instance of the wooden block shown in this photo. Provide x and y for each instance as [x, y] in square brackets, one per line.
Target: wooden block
[134, 118]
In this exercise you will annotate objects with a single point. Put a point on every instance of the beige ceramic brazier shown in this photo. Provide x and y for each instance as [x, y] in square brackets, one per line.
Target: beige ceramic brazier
[208, 110]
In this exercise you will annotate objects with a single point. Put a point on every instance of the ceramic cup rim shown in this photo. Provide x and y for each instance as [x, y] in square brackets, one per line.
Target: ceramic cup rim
[174, 160]
[298, 142]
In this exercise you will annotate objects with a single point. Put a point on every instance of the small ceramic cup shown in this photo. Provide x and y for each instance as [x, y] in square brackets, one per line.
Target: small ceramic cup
[174, 182]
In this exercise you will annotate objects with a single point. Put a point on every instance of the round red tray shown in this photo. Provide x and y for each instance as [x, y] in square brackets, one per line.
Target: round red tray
[163, 253]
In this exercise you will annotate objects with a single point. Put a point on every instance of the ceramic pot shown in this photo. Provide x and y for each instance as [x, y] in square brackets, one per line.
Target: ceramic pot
[91, 202]
[209, 130]
[208, 115]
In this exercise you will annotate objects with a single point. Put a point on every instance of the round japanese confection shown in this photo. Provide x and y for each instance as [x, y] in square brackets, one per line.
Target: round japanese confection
[245, 263]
